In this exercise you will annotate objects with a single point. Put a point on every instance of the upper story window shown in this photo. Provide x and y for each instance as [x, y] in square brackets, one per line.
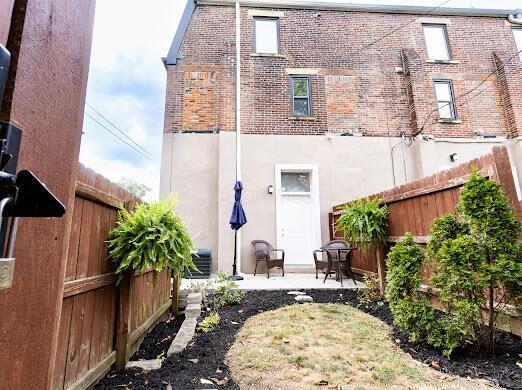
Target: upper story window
[445, 99]
[301, 96]
[437, 44]
[266, 35]
[517, 32]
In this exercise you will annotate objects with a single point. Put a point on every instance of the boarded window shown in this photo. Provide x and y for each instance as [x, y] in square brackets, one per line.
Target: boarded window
[437, 42]
[266, 35]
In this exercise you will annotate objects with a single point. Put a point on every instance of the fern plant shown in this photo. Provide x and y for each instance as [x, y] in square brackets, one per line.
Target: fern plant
[364, 223]
[151, 236]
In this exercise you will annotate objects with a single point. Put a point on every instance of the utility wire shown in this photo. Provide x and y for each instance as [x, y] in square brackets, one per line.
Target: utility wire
[400, 27]
[117, 136]
[118, 129]
[465, 94]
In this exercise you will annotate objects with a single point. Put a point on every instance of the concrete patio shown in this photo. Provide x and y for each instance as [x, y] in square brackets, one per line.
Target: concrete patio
[288, 282]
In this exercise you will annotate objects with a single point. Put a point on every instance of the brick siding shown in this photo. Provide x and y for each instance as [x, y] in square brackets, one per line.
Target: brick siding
[353, 91]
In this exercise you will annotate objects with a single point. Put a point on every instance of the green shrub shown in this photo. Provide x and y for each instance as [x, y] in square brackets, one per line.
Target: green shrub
[364, 222]
[209, 322]
[411, 309]
[372, 292]
[477, 264]
[445, 228]
[224, 295]
[151, 236]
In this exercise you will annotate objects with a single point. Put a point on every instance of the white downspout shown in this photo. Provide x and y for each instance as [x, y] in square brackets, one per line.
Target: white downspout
[238, 121]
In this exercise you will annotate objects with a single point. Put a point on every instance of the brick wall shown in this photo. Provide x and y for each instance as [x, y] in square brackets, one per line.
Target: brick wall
[352, 90]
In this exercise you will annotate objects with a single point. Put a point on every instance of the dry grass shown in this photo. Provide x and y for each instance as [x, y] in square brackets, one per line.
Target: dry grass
[328, 346]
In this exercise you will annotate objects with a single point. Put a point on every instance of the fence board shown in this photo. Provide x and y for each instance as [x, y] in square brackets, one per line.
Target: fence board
[87, 339]
[414, 206]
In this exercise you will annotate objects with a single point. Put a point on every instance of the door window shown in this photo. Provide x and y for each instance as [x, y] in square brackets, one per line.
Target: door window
[295, 182]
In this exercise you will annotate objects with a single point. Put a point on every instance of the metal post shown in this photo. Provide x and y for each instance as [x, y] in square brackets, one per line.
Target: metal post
[237, 237]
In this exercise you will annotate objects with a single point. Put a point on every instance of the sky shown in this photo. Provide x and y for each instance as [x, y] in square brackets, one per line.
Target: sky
[127, 82]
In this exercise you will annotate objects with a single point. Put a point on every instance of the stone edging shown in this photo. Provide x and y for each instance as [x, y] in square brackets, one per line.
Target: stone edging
[183, 337]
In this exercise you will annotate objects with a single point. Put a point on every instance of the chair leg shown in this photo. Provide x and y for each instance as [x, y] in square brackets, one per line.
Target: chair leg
[283, 268]
[267, 270]
[255, 269]
[328, 269]
[316, 272]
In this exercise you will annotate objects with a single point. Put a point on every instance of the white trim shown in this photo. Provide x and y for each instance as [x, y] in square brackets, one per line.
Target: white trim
[314, 194]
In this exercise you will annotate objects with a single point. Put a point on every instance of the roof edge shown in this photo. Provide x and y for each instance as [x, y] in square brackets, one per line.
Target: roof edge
[172, 56]
[325, 5]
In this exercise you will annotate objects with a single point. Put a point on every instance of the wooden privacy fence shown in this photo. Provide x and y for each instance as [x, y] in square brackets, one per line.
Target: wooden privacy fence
[101, 322]
[414, 206]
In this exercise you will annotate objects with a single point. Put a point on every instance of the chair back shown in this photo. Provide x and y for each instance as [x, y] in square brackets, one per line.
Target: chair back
[335, 244]
[261, 249]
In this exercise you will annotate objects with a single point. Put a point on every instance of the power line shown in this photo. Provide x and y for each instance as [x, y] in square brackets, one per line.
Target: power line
[401, 27]
[117, 136]
[118, 129]
[465, 94]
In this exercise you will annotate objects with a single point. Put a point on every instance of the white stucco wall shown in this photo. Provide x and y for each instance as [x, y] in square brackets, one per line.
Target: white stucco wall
[201, 169]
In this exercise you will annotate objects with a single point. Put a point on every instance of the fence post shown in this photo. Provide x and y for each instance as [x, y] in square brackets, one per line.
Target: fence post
[175, 294]
[123, 323]
[505, 177]
[381, 267]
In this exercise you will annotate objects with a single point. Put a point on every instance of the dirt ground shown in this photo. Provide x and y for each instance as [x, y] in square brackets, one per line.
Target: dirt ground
[204, 360]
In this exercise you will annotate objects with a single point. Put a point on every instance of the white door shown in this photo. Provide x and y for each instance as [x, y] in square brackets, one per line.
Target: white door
[297, 204]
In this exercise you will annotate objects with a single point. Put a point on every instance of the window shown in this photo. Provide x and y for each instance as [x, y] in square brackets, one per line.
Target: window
[517, 32]
[266, 35]
[300, 96]
[295, 182]
[437, 42]
[445, 99]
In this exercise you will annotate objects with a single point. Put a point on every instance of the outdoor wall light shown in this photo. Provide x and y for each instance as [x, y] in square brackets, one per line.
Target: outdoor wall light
[454, 157]
[270, 189]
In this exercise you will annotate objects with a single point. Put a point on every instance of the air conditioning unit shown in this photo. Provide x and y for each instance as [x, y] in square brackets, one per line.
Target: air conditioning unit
[203, 261]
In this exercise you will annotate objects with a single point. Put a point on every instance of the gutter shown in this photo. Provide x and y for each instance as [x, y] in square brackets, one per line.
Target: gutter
[382, 8]
[174, 54]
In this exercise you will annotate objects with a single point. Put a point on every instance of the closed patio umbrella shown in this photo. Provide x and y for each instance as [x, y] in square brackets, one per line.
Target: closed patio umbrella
[237, 220]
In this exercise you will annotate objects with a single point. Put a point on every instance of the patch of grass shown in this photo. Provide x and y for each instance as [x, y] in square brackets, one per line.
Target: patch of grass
[303, 345]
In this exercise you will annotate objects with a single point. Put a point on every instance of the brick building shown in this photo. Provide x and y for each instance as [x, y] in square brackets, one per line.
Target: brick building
[337, 101]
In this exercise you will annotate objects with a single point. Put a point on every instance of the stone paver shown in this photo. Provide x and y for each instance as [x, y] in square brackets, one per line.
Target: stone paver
[188, 328]
[303, 298]
[146, 365]
[296, 293]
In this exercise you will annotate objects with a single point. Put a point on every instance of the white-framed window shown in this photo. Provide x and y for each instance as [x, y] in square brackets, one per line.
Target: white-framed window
[517, 33]
[266, 35]
[445, 99]
[437, 44]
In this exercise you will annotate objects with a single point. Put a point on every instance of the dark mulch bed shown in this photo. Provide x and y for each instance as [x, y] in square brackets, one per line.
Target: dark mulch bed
[183, 371]
[158, 340]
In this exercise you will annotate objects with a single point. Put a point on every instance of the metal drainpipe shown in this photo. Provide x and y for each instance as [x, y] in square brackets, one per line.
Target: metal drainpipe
[404, 158]
[238, 120]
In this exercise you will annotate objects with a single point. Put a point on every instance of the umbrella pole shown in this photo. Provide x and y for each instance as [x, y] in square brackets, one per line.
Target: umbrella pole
[234, 275]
